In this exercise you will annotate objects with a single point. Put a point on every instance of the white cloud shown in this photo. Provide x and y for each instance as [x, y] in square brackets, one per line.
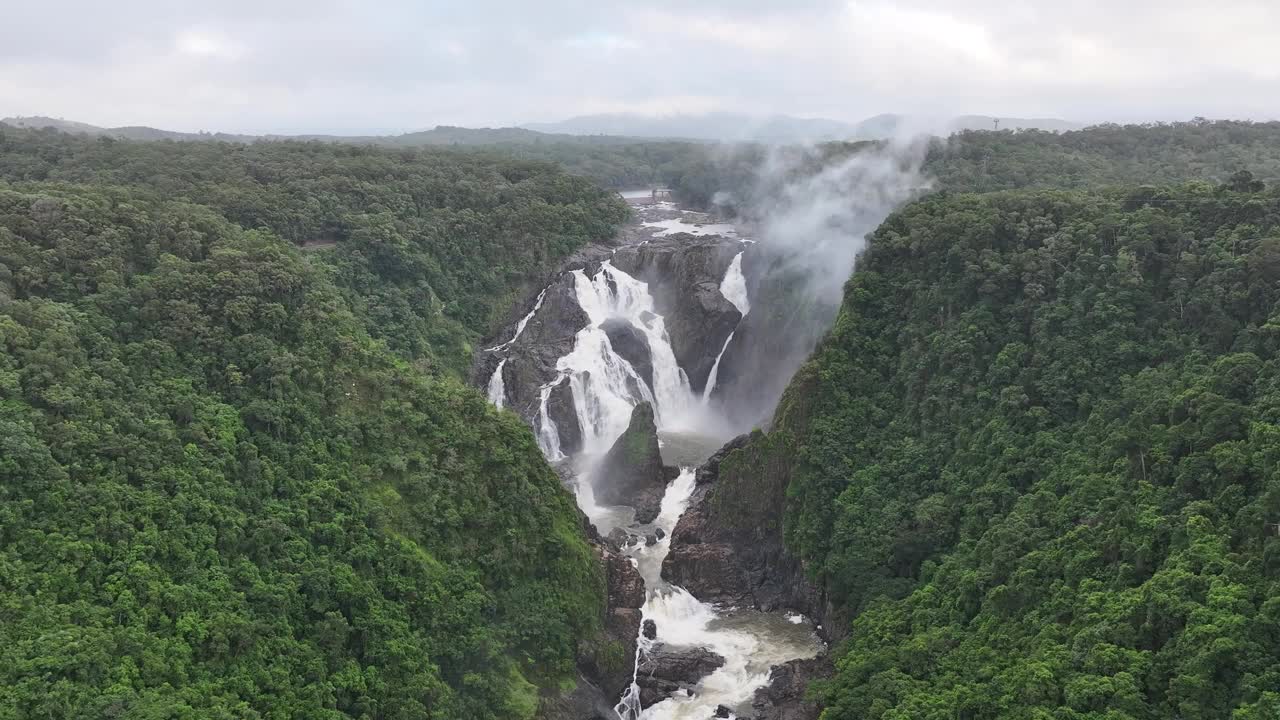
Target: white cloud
[334, 65]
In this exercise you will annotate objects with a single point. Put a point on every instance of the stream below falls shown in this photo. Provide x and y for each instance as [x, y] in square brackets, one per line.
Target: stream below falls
[605, 388]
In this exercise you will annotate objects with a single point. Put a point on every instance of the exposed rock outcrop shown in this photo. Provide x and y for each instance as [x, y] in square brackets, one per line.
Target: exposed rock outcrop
[631, 345]
[606, 661]
[632, 472]
[665, 670]
[560, 410]
[772, 341]
[531, 359]
[784, 697]
[728, 547]
[684, 274]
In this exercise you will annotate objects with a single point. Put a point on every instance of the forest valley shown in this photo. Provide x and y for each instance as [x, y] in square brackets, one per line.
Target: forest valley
[1031, 471]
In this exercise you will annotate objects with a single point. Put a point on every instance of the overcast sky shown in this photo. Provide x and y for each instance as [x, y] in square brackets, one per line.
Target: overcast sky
[397, 65]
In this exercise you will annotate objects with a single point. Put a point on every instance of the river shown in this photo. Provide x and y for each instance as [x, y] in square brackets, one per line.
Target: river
[605, 388]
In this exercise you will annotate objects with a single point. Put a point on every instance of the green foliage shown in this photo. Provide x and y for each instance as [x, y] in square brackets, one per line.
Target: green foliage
[1106, 155]
[232, 483]
[429, 247]
[981, 161]
[1039, 462]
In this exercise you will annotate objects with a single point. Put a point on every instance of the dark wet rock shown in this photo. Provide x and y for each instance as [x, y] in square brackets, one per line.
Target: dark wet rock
[723, 712]
[531, 359]
[607, 659]
[772, 341]
[626, 586]
[632, 472]
[560, 410]
[699, 330]
[618, 538]
[650, 629]
[710, 470]
[650, 540]
[631, 344]
[684, 273]
[660, 533]
[727, 547]
[665, 670]
[784, 697]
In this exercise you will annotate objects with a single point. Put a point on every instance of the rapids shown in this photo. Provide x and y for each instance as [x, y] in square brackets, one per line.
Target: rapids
[605, 387]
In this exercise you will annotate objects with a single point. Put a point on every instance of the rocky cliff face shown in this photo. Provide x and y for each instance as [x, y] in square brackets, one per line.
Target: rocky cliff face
[728, 546]
[605, 663]
[684, 274]
[772, 341]
[632, 472]
[784, 697]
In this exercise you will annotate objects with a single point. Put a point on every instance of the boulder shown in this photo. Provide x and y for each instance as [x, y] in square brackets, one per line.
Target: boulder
[665, 670]
[631, 345]
[632, 472]
[650, 630]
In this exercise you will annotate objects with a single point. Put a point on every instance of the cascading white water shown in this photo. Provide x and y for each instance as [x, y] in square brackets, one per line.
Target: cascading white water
[548, 435]
[497, 386]
[715, 370]
[734, 289]
[734, 285]
[751, 642]
[605, 385]
[605, 388]
[524, 322]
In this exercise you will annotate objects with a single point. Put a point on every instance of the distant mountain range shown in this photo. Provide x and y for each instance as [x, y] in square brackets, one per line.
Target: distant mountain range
[606, 130]
[440, 135]
[784, 128]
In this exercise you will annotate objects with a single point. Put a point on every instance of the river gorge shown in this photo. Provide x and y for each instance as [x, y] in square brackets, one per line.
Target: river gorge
[634, 365]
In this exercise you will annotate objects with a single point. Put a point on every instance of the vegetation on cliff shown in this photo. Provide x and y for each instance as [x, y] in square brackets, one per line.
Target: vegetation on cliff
[238, 475]
[1038, 458]
[431, 247]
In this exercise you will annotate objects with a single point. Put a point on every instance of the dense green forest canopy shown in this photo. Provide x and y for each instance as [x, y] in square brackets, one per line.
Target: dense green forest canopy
[613, 162]
[434, 246]
[1038, 457]
[981, 161]
[238, 475]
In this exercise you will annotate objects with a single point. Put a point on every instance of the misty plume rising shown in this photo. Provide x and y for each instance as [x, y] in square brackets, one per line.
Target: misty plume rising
[811, 227]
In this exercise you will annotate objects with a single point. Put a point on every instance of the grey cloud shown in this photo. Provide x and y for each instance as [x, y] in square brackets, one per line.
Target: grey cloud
[343, 66]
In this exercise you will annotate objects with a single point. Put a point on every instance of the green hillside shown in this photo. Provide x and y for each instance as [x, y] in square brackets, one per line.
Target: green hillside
[239, 477]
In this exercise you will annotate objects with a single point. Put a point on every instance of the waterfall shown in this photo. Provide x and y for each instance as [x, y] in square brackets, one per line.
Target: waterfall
[548, 435]
[604, 388]
[497, 386]
[605, 385]
[649, 563]
[524, 321]
[734, 289]
[715, 370]
[734, 285]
